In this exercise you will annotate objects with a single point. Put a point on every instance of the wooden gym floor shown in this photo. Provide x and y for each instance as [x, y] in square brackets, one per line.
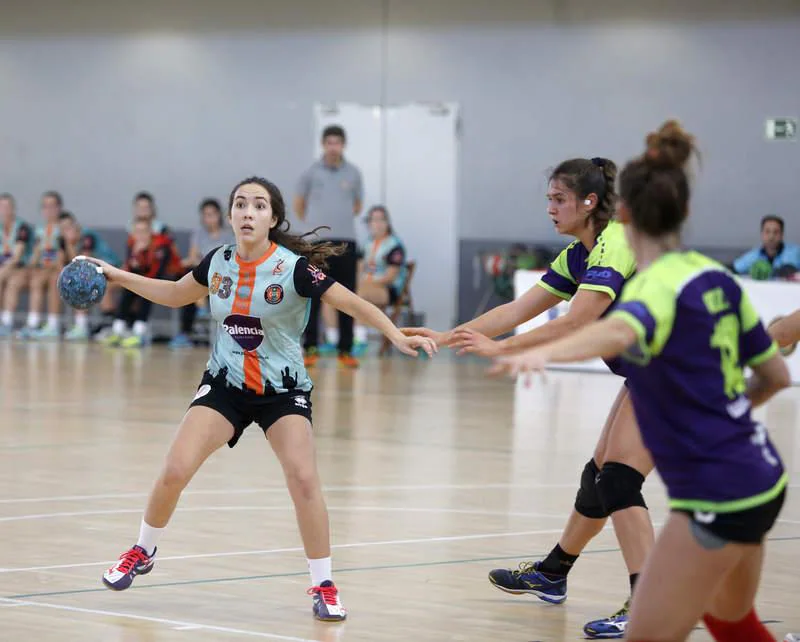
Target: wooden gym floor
[433, 474]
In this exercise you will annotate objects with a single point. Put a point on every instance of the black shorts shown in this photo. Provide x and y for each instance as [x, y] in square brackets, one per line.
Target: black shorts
[242, 408]
[394, 295]
[743, 527]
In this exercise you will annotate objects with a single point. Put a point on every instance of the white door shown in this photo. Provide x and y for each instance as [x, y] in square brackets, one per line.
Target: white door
[408, 159]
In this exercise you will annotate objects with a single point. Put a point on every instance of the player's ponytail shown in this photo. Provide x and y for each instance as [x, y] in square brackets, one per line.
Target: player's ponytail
[655, 186]
[597, 176]
[316, 252]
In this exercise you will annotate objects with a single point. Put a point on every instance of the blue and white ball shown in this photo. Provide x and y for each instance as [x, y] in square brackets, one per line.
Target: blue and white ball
[81, 284]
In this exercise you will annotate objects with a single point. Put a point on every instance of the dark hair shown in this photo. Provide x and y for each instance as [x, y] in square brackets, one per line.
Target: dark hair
[144, 196]
[210, 202]
[775, 219]
[655, 186]
[316, 253]
[54, 195]
[583, 176]
[215, 205]
[334, 130]
[381, 208]
[5, 196]
[67, 216]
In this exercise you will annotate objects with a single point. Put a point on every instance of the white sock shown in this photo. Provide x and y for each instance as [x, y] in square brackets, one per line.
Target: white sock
[140, 328]
[33, 319]
[52, 321]
[332, 335]
[81, 320]
[360, 333]
[118, 327]
[7, 317]
[320, 570]
[148, 537]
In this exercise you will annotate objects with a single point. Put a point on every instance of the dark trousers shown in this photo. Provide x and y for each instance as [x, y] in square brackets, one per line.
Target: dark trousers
[188, 315]
[341, 269]
[132, 307]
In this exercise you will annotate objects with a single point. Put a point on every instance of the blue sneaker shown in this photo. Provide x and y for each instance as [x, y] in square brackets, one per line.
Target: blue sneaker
[131, 563]
[610, 628]
[327, 606]
[327, 349]
[528, 579]
[180, 341]
[6, 330]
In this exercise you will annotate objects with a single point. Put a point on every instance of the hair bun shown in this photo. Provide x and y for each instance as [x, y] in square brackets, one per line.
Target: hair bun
[669, 147]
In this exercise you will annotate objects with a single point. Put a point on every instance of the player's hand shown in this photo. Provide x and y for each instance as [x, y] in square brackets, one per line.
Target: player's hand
[440, 338]
[468, 341]
[410, 345]
[109, 270]
[523, 363]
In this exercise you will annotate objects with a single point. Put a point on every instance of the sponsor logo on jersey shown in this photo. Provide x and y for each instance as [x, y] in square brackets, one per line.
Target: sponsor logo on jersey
[216, 280]
[245, 330]
[598, 274]
[317, 275]
[273, 294]
[278, 269]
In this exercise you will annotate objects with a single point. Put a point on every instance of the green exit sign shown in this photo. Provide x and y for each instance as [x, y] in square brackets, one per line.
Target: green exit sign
[782, 129]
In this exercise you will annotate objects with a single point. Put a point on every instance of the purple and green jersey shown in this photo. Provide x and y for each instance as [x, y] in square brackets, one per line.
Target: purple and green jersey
[697, 331]
[605, 268]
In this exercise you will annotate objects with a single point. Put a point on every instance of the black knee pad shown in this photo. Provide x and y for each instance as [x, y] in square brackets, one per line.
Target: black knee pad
[587, 501]
[619, 486]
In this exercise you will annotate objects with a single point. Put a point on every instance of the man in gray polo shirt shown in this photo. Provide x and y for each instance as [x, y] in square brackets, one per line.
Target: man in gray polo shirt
[330, 193]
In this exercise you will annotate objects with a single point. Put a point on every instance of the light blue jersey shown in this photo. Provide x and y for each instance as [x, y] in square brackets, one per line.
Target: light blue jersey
[48, 238]
[262, 308]
[20, 232]
[383, 254]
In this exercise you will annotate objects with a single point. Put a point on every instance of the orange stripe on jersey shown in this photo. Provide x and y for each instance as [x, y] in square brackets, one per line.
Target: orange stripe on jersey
[241, 305]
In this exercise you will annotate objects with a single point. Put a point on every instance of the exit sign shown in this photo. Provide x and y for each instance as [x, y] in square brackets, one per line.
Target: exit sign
[782, 129]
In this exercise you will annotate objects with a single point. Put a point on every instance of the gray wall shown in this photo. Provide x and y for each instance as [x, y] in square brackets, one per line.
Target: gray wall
[100, 99]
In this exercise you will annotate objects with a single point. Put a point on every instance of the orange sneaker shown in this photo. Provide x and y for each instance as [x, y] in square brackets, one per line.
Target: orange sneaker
[348, 361]
[310, 358]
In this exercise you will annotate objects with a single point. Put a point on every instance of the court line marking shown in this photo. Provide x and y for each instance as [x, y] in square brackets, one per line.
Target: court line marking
[282, 489]
[157, 620]
[296, 549]
[287, 507]
[356, 569]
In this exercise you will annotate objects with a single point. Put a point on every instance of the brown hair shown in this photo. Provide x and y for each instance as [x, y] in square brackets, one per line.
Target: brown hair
[655, 186]
[584, 176]
[316, 253]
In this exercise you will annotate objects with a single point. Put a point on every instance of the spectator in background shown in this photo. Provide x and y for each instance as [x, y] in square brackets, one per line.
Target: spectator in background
[382, 265]
[75, 241]
[149, 255]
[209, 235]
[144, 209]
[45, 265]
[774, 258]
[329, 193]
[16, 246]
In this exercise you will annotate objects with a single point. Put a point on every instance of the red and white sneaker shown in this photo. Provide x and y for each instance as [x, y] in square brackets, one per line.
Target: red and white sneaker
[131, 563]
[327, 606]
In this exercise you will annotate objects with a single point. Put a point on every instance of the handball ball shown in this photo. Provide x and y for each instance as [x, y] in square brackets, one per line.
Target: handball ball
[81, 284]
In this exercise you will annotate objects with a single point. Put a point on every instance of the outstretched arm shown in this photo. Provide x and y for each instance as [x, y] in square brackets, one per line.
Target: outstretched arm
[173, 294]
[499, 320]
[786, 330]
[345, 301]
[587, 306]
[606, 338]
